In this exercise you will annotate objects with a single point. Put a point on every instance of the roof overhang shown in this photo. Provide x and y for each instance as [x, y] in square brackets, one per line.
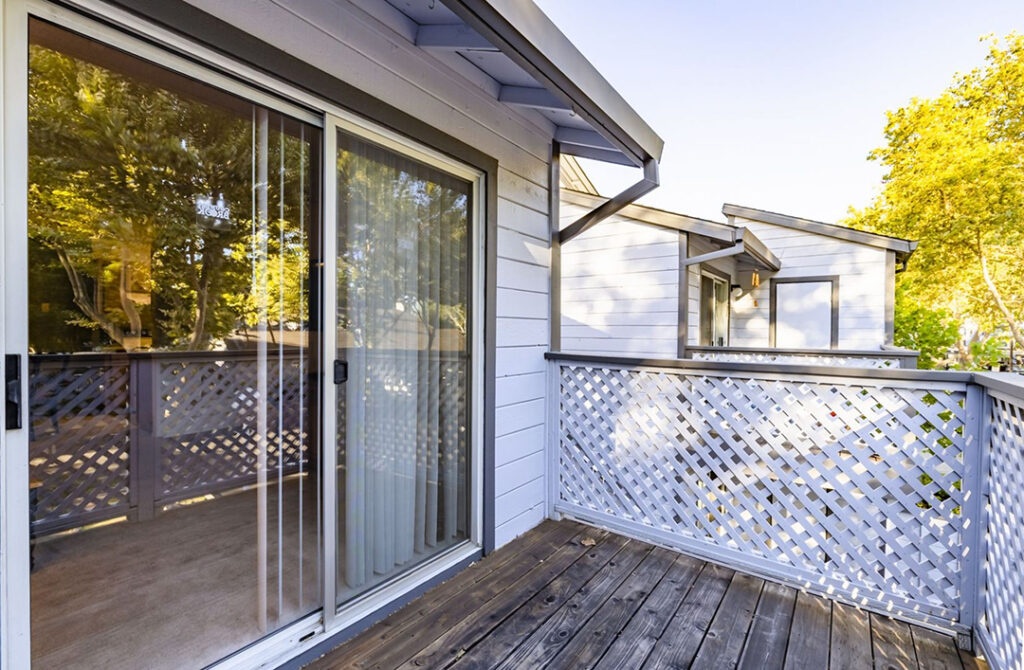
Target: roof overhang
[903, 248]
[566, 80]
[737, 242]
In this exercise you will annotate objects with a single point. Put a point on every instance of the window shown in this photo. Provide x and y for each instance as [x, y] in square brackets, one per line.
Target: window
[805, 313]
[714, 311]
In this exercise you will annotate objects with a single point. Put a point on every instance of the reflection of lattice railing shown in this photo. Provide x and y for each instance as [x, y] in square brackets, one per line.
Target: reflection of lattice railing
[208, 423]
[846, 486]
[114, 435]
[1002, 621]
[79, 438]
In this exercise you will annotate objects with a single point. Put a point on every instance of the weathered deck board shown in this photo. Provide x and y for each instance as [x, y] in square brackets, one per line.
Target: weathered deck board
[551, 600]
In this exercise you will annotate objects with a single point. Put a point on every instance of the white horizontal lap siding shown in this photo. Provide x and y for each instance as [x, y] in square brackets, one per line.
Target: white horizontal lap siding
[620, 287]
[862, 285]
[727, 266]
[351, 42]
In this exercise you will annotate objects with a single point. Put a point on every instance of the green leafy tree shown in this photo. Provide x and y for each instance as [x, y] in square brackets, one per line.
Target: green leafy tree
[932, 332]
[955, 181]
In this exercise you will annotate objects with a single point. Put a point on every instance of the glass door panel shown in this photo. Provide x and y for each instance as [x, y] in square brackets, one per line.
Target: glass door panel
[403, 287]
[173, 366]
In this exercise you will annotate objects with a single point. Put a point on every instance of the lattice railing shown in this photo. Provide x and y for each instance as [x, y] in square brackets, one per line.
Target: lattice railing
[1002, 617]
[847, 486]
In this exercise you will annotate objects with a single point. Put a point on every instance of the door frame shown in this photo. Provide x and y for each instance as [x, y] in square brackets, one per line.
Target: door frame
[134, 34]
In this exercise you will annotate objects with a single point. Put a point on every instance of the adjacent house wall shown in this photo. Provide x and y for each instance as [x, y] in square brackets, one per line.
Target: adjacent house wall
[620, 287]
[371, 46]
[863, 284]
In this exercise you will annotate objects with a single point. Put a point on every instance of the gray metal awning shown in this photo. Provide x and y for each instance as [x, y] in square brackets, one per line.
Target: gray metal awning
[536, 66]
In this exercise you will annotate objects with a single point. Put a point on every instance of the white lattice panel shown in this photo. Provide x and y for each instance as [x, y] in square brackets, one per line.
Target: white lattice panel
[845, 488]
[1003, 616]
[830, 360]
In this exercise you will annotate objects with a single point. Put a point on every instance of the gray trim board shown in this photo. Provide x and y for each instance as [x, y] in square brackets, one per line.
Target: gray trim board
[727, 278]
[197, 25]
[772, 303]
[902, 247]
[906, 374]
[554, 224]
[530, 96]
[647, 183]
[683, 307]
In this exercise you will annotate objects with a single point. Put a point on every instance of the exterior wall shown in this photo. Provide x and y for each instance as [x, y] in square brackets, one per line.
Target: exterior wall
[369, 45]
[862, 272]
[620, 287]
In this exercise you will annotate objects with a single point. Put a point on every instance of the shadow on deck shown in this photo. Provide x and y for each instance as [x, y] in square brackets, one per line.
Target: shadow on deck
[567, 595]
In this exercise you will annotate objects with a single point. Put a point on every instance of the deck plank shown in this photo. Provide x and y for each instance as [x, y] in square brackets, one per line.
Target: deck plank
[545, 642]
[724, 640]
[850, 648]
[972, 662]
[550, 600]
[810, 634]
[934, 650]
[450, 642]
[507, 563]
[591, 641]
[678, 645]
[504, 639]
[892, 644]
[637, 639]
[765, 646]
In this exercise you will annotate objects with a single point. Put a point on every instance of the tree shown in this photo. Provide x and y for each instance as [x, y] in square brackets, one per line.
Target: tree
[955, 181]
[932, 332]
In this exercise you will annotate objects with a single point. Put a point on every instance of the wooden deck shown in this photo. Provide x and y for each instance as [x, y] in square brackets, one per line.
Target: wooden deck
[570, 596]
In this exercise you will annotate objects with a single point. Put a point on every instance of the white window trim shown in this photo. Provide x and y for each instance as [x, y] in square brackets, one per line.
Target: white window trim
[165, 48]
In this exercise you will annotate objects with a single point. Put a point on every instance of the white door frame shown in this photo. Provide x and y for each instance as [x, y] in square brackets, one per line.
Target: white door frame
[15, 574]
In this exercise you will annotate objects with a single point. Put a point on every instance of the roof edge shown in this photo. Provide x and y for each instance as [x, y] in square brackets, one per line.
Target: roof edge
[899, 245]
[722, 232]
[527, 36]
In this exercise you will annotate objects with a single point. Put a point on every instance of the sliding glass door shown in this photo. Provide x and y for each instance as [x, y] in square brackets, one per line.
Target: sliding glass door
[403, 284]
[172, 362]
[247, 328]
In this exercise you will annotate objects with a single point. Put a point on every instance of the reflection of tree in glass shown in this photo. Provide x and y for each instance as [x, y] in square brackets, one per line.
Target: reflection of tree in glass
[404, 255]
[116, 164]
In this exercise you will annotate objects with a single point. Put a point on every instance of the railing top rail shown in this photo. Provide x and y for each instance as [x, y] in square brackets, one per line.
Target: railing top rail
[877, 353]
[785, 370]
[1006, 383]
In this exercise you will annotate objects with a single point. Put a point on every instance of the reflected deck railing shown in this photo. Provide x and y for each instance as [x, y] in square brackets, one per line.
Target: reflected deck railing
[122, 435]
[901, 491]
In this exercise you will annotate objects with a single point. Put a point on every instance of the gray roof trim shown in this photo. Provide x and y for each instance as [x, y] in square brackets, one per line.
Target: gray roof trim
[721, 232]
[528, 37]
[902, 247]
[758, 250]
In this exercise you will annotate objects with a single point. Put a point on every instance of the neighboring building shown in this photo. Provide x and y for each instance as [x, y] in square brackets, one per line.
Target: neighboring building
[657, 283]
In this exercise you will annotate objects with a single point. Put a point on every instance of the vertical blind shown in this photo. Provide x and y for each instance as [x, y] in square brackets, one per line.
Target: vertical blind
[403, 287]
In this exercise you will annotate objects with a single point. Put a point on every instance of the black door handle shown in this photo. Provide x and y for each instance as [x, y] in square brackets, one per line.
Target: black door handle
[12, 383]
[340, 372]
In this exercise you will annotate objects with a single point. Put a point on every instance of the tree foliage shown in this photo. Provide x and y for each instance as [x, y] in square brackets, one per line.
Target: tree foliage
[933, 332]
[955, 181]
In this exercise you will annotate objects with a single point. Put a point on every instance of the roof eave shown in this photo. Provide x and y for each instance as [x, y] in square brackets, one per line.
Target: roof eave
[528, 37]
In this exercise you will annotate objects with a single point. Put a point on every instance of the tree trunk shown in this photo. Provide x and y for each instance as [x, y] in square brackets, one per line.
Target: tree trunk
[81, 298]
[997, 297]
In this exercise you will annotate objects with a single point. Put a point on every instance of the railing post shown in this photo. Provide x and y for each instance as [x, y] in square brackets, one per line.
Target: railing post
[144, 397]
[554, 439]
[977, 433]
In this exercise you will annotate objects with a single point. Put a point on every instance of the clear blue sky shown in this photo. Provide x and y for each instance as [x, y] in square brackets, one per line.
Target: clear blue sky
[774, 104]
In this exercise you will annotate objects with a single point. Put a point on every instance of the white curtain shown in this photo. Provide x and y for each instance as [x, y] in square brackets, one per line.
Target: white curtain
[403, 289]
